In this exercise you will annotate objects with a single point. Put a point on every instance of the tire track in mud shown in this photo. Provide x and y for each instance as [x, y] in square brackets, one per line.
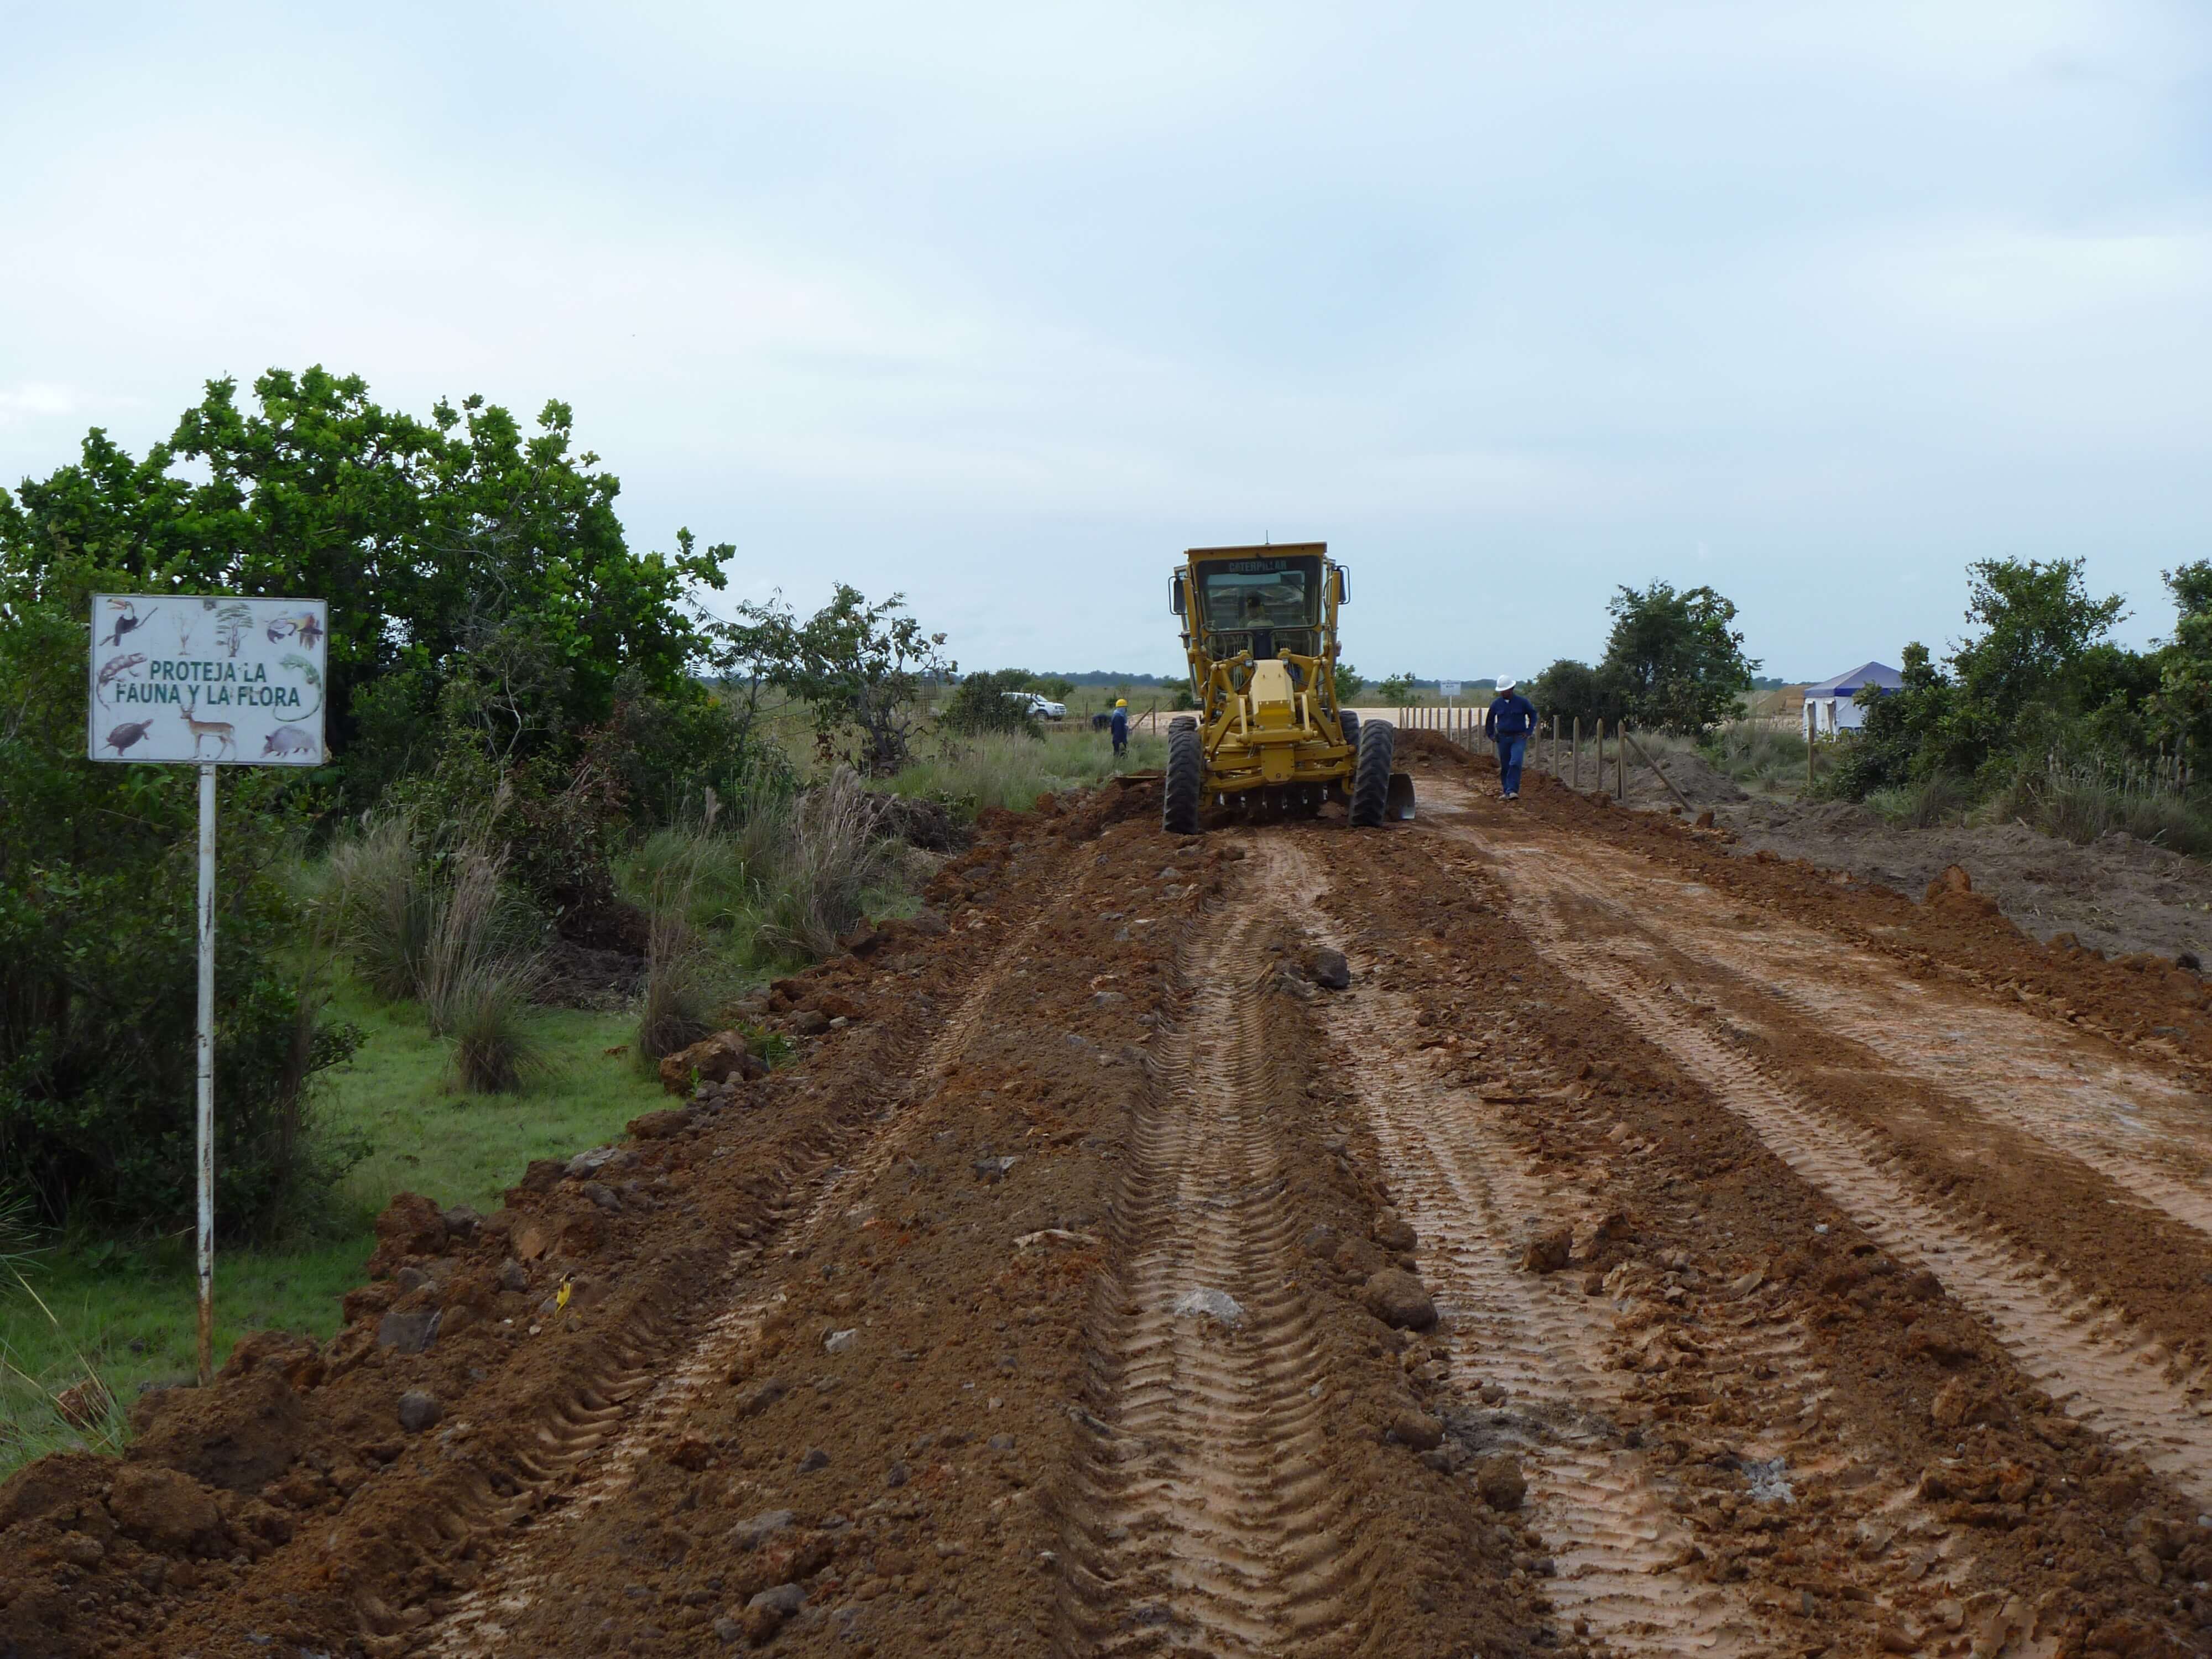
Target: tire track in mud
[1210, 1522]
[478, 1624]
[2101, 1370]
[2020, 1071]
[1621, 1547]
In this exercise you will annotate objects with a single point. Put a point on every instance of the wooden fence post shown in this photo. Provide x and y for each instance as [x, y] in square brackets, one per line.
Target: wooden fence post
[1578, 754]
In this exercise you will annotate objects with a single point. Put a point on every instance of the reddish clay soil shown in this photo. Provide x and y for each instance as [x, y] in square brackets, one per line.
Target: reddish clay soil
[1651, 1250]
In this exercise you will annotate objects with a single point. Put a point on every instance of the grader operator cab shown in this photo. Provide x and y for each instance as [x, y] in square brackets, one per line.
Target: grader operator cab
[1258, 625]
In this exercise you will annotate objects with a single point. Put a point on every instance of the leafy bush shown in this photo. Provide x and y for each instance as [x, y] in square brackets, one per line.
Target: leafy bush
[862, 669]
[980, 703]
[1672, 661]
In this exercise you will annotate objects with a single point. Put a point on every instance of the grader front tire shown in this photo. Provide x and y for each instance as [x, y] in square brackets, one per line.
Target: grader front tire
[1371, 776]
[1185, 781]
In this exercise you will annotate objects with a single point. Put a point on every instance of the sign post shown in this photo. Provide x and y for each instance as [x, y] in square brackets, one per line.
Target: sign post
[184, 679]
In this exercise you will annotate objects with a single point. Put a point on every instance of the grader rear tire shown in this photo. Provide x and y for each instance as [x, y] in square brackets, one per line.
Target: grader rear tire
[1350, 727]
[1371, 776]
[1186, 777]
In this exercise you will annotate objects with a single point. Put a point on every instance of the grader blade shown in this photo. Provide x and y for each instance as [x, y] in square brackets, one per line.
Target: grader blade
[1398, 804]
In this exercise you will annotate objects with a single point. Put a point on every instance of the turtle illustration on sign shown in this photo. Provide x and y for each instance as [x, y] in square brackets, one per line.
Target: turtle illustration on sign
[124, 736]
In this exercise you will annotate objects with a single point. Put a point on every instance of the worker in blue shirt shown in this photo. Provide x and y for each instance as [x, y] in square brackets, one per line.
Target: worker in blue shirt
[1120, 725]
[1507, 724]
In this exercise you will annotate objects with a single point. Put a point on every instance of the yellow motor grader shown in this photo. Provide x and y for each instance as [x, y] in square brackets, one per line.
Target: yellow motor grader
[1258, 625]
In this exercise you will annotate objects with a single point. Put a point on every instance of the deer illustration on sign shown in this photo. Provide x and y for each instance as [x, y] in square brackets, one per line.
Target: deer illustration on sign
[223, 732]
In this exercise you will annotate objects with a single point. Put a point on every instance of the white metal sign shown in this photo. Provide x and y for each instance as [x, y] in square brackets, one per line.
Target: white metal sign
[203, 682]
[222, 682]
[1448, 687]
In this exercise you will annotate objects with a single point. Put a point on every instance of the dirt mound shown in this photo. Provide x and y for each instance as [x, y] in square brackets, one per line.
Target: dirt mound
[927, 824]
[1034, 1307]
[1691, 774]
[587, 976]
[829, 1357]
[2118, 895]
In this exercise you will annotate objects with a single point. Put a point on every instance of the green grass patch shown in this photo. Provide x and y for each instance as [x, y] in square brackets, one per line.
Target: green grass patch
[971, 775]
[126, 1312]
[426, 1136]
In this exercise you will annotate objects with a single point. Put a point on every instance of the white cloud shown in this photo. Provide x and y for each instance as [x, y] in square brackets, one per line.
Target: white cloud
[942, 298]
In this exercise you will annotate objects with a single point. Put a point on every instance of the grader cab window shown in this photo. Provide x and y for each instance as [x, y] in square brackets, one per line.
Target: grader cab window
[1264, 606]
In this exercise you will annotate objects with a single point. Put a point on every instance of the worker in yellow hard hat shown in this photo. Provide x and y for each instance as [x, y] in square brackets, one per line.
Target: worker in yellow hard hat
[1121, 727]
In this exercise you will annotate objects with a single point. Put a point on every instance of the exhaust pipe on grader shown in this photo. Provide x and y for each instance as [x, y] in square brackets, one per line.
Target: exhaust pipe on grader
[1259, 628]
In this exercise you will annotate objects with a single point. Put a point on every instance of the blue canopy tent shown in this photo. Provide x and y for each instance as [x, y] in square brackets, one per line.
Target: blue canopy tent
[1830, 706]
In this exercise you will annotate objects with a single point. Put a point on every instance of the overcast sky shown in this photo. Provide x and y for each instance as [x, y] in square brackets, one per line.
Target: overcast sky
[1005, 306]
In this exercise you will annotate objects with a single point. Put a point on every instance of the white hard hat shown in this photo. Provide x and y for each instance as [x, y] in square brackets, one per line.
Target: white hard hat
[1507, 683]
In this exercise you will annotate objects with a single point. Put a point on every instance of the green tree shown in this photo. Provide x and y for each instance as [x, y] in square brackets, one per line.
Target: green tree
[2037, 622]
[426, 536]
[1048, 686]
[2182, 707]
[1569, 691]
[1673, 659]
[1399, 690]
[1349, 682]
[861, 668]
[2041, 677]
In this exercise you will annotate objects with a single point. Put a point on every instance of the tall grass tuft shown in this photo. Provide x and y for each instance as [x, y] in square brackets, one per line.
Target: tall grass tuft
[677, 1008]
[492, 1025]
[483, 965]
[829, 859]
[449, 932]
[1937, 798]
[1760, 756]
[381, 898]
[2082, 801]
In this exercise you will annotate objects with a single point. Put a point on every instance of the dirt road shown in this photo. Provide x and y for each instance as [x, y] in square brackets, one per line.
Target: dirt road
[1649, 1252]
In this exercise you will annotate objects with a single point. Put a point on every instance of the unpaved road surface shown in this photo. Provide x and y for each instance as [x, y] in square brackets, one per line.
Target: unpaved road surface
[1652, 1250]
